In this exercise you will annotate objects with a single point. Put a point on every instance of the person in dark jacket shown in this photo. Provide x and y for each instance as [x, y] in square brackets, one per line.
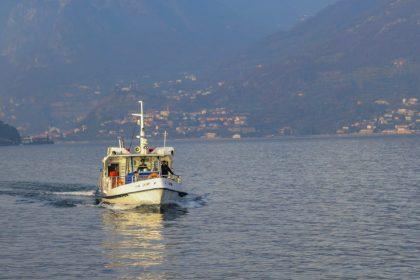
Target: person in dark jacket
[166, 169]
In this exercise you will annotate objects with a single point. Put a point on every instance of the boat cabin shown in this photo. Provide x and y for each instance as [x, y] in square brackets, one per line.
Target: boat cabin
[120, 167]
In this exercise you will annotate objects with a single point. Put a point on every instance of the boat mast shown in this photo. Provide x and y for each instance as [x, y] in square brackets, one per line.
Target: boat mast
[143, 145]
[120, 142]
[164, 139]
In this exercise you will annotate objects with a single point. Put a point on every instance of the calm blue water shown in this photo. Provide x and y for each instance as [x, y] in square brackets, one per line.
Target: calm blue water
[279, 209]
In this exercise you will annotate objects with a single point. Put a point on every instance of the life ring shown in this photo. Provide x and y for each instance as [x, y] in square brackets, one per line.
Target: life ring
[120, 181]
[137, 149]
[153, 176]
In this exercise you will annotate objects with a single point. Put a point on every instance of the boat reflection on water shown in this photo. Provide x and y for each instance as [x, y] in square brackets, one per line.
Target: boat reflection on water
[134, 243]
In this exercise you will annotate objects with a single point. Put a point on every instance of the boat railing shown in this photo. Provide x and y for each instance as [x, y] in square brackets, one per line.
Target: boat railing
[112, 182]
[176, 178]
[116, 181]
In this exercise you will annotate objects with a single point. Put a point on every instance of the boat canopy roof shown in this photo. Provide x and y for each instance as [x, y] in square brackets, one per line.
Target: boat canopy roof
[156, 152]
[141, 155]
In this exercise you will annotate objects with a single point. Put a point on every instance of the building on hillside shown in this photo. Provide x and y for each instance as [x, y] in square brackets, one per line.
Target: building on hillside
[403, 130]
[210, 135]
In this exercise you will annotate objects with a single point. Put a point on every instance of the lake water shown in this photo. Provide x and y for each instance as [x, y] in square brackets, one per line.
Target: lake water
[259, 209]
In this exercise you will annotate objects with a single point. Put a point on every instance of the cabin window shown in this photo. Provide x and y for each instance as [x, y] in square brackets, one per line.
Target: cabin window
[113, 170]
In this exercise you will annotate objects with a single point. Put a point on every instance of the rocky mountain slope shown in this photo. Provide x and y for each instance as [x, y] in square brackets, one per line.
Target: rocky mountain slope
[59, 59]
[51, 50]
[270, 16]
[329, 70]
[45, 43]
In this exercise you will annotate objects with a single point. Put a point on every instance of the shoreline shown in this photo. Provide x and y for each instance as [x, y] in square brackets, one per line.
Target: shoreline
[226, 139]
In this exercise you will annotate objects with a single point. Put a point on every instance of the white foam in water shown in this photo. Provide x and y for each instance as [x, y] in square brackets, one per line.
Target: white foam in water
[189, 201]
[193, 201]
[117, 207]
[76, 193]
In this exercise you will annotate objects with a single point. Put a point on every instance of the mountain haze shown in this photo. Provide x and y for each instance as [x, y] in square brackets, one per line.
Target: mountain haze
[76, 40]
[271, 16]
[73, 40]
[329, 70]
[49, 50]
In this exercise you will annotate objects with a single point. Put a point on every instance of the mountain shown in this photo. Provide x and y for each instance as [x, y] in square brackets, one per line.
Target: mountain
[67, 63]
[270, 16]
[47, 43]
[329, 70]
[59, 58]
[8, 135]
[50, 43]
[50, 50]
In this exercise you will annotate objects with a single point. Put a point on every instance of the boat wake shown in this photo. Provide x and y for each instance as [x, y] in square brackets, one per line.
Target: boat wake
[77, 193]
[194, 201]
[187, 202]
[73, 195]
[54, 194]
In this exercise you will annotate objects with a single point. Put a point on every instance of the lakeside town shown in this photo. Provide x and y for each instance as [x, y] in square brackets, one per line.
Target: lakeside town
[223, 123]
[81, 124]
[403, 120]
[206, 123]
[191, 121]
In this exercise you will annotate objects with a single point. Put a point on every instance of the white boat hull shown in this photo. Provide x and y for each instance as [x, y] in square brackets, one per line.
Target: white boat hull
[159, 191]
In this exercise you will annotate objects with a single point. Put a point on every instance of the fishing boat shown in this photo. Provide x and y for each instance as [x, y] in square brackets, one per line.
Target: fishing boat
[141, 177]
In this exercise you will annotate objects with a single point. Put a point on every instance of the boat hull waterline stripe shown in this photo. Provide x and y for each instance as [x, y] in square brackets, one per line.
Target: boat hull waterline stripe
[181, 194]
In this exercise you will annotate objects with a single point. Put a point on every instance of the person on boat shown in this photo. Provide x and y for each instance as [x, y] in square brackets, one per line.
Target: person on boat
[142, 166]
[166, 169]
